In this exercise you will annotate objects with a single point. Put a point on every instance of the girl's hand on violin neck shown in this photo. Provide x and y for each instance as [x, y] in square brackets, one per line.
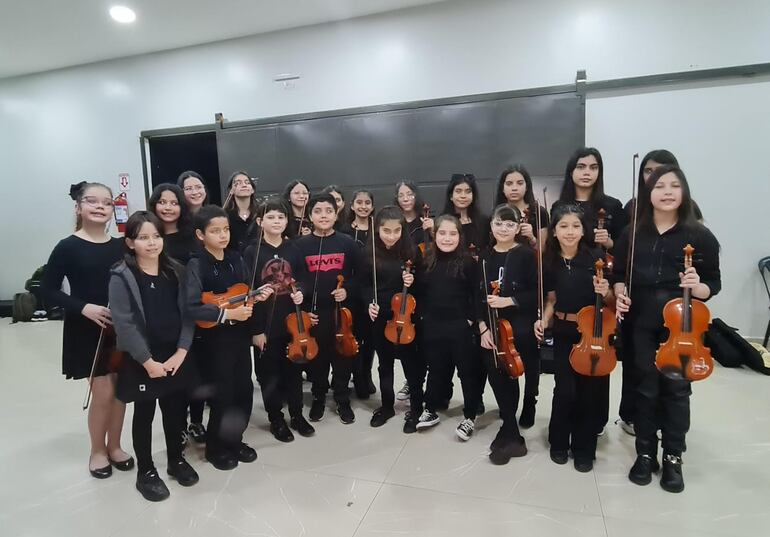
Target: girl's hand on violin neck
[259, 341]
[340, 294]
[427, 223]
[622, 303]
[408, 278]
[374, 311]
[241, 313]
[539, 332]
[297, 297]
[305, 230]
[173, 364]
[486, 340]
[313, 319]
[154, 369]
[98, 314]
[264, 293]
[689, 278]
[496, 301]
[601, 287]
[525, 230]
[602, 237]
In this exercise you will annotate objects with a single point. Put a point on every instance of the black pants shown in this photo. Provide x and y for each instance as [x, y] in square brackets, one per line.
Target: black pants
[526, 344]
[661, 403]
[341, 366]
[627, 409]
[280, 379]
[200, 394]
[579, 402]
[172, 407]
[232, 398]
[447, 345]
[362, 364]
[411, 362]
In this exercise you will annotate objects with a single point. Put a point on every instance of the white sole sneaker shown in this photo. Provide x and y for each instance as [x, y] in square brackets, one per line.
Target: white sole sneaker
[427, 424]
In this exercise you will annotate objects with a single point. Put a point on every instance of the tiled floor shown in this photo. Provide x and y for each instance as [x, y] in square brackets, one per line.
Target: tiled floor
[355, 480]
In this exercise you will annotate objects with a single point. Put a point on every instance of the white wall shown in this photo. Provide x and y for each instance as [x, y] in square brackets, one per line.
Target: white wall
[64, 126]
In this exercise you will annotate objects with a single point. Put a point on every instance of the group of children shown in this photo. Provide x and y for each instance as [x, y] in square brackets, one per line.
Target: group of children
[289, 250]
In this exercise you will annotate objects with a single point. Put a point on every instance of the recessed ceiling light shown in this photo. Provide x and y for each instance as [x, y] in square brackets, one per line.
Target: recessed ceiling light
[122, 14]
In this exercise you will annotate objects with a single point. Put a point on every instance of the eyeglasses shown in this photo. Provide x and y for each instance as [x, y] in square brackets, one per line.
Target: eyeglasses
[93, 201]
[406, 196]
[164, 203]
[196, 188]
[242, 182]
[510, 225]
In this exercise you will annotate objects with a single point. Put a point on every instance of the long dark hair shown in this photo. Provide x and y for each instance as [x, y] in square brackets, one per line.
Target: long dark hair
[184, 210]
[552, 251]
[342, 215]
[351, 212]
[287, 191]
[186, 175]
[685, 213]
[529, 195]
[78, 191]
[166, 265]
[661, 156]
[418, 201]
[404, 249]
[449, 206]
[568, 193]
[457, 257]
[231, 207]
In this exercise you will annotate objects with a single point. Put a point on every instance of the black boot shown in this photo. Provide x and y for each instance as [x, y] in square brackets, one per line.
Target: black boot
[671, 479]
[527, 417]
[642, 470]
[281, 431]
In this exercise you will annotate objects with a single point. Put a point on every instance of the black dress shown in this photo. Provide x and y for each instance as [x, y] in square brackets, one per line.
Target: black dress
[86, 265]
[181, 245]
[160, 299]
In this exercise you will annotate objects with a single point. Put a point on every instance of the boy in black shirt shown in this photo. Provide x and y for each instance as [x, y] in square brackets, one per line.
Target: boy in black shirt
[327, 254]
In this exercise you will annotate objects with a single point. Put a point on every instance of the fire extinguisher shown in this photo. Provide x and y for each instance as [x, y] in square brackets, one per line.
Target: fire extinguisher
[121, 211]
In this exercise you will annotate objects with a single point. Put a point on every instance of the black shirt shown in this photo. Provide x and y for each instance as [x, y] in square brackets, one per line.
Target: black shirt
[181, 245]
[390, 266]
[207, 273]
[448, 292]
[615, 219]
[572, 280]
[161, 311]
[531, 219]
[517, 268]
[242, 232]
[361, 236]
[338, 255]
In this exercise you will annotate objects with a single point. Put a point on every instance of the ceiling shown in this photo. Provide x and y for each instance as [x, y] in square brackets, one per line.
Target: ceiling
[40, 35]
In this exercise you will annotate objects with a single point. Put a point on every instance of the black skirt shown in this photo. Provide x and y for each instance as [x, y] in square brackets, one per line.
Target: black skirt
[134, 384]
[79, 341]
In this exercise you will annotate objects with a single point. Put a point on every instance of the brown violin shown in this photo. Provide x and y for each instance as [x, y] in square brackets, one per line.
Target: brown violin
[507, 356]
[601, 223]
[400, 330]
[683, 355]
[303, 347]
[236, 295]
[423, 246]
[106, 349]
[593, 355]
[345, 342]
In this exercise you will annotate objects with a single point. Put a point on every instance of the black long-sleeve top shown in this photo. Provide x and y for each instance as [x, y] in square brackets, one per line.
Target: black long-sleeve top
[242, 232]
[181, 245]
[276, 266]
[658, 260]
[517, 269]
[445, 296]
[415, 231]
[615, 220]
[338, 255]
[206, 273]
[361, 236]
[572, 279]
[477, 234]
[531, 219]
[390, 266]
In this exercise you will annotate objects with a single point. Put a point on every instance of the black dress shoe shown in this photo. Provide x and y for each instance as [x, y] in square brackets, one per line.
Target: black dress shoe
[123, 466]
[222, 461]
[281, 431]
[300, 424]
[584, 464]
[410, 424]
[317, 410]
[346, 413]
[151, 486]
[381, 416]
[184, 474]
[642, 470]
[559, 456]
[527, 417]
[506, 449]
[671, 479]
[102, 473]
[246, 453]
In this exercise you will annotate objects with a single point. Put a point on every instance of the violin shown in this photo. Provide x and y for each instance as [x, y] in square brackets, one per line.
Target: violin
[400, 330]
[683, 355]
[236, 295]
[507, 356]
[345, 341]
[473, 252]
[106, 349]
[601, 222]
[594, 355]
[423, 246]
[303, 347]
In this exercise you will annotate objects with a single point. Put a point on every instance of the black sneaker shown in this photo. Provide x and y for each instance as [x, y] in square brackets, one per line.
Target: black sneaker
[246, 453]
[184, 474]
[346, 413]
[300, 424]
[317, 410]
[480, 409]
[527, 417]
[403, 393]
[671, 480]
[427, 419]
[559, 456]
[381, 416]
[642, 470]
[151, 486]
[281, 431]
[222, 461]
[506, 449]
[197, 432]
[410, 423]
[584, 464]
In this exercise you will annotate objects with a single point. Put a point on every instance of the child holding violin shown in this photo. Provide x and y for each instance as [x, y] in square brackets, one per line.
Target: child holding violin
[327, 254]
[147, 304]
[570, 283]
[515, 188]
[513, 267]
[277, 262]
[448, 283]
[666, 224]
[225, 346]
[385, 265]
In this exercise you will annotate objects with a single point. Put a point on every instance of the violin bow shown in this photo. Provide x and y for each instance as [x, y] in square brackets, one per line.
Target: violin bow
[490, 319]
[632, 238]
[374, 259]
[540, 286]
[317, 271]
[97, 353]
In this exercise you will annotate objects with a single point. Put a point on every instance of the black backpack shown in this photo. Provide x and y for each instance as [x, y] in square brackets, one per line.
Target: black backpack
[730, 349]
[24, 306]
